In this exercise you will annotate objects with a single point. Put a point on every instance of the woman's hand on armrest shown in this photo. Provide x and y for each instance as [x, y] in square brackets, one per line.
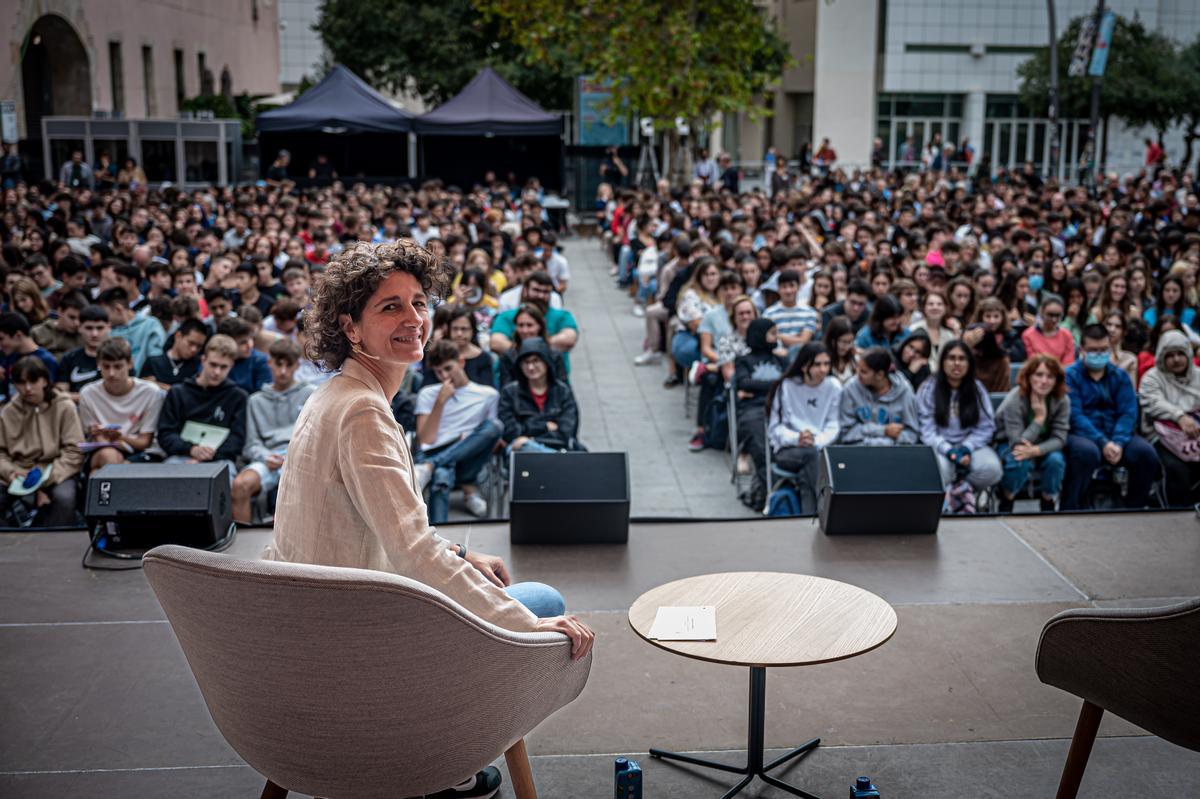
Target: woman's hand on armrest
[580, 634]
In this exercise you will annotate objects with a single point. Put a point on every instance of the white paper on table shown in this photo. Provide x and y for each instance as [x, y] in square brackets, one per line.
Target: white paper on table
[685, 624]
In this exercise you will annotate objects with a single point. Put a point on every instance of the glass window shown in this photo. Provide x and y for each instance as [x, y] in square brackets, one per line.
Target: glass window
[117, 149]
[116, 77]
[158, 159]
[1004, 156]
[1022, 143]
[200, 159]
[148, 80]
[1001, 106]
[989, 134]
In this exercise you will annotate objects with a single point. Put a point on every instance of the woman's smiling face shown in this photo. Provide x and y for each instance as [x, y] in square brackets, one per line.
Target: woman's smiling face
[395, 323]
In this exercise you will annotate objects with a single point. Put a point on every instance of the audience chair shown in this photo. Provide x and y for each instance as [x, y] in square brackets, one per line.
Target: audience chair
[1138, 664]
[340, 682]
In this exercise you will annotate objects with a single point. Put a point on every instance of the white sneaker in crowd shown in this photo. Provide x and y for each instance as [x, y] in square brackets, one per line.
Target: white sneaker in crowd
[639, 311]
[696, 371]
[647, 358]
[476, 505]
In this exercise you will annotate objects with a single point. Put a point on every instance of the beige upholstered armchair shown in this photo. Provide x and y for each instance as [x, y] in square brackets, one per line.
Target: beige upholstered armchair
[1138, 664]
[351, 683]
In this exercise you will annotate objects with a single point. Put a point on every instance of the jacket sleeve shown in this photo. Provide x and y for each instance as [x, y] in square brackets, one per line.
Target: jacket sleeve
[1081, 425]
[743, 375]
[928, 425]
[170, 425]
[377, 474]
[778, 433]
[256, 449]
[1009, 421]
[568, 417]
[831, 425]
[985, 429]
[911, 434]
[70, 432]
[231, 447]
[7, 464]
[1127, 406]
[1060, 426]
[507, 413]
[1015, 346]
[261, 374]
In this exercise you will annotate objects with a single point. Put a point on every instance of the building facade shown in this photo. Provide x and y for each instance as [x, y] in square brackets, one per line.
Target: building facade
[905, 70]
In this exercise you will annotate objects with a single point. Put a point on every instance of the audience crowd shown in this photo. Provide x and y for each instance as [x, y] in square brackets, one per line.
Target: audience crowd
[1038, 339]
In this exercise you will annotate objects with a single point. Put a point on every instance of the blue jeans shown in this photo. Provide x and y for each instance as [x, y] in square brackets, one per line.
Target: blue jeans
[685, 349]
[1017, 473]
[542, 600]
[531, 446]
[647, 291]
[1084, 457]
[458, 463]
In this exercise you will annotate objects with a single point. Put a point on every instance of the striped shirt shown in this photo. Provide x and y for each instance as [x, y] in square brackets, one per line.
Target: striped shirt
[792, 321]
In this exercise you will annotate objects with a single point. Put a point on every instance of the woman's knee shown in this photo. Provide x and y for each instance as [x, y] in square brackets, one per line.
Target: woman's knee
[544, 601]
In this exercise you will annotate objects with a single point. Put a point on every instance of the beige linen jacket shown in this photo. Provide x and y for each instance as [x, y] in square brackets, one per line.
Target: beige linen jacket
[348, 497]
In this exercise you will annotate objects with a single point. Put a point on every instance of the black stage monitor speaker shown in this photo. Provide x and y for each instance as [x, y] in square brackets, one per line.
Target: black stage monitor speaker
[569, 498]
[879, 490]
[157, 503]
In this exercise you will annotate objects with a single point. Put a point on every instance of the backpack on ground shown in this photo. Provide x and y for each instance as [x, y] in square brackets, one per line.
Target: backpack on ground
[784, 501]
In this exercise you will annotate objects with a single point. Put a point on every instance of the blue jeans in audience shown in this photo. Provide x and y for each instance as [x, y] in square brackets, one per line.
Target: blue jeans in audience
[530, 446]
[1084, 457]
[542, 600]
[685, 349]
[1017, 473]
[458, 463]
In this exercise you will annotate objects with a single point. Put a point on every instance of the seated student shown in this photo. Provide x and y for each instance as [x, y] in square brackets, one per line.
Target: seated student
[251, 371]
[144, 333]
[855, 307]
[562, 333]
[957, 421]
[1032, 424]
[1104, 412]
[296, 283]
[270, 418]
[79, 366]
[803, 408]
[528, 323]
[912, 358]
[522, 267]
[16, 343]
[883, 328]
[994, 345]
[754, 375]
[1047, 336]
[59, 335]
[209, 398]
[220, 307]
[310, 371]
[245, 278]
[456, 430]
[1170, 394]
[285, 315]
[461, 327]
[182, 359]
[537, 410]
[39, 428]
[796, 322]
[877, 407]
[119, 409]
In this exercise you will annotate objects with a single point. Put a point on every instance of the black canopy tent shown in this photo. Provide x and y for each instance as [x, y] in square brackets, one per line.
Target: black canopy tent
[489, 125]
[356, 127]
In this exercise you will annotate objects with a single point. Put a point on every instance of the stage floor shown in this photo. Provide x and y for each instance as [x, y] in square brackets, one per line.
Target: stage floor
[96, 699]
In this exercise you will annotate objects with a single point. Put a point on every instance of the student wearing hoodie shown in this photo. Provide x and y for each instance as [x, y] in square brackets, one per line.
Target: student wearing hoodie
[39, 428]
[877, 407]
[144, 333]
[270, 418]
[957, 420]
[209, 398]
[1170, 395]
[537, 410]
[803, 408]
[755, 374]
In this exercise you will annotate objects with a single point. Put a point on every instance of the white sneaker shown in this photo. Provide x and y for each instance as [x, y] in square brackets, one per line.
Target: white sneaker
[424, 475]
[639, 311]
[647, 358]
[744, 464]
[696, 371]
[476, 505]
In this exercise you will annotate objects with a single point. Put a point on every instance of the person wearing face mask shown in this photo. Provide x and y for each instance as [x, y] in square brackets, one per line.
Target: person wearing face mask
[803, 408]
[755, 373]
[1104, 411]
[1170, 394]
[1031, 430]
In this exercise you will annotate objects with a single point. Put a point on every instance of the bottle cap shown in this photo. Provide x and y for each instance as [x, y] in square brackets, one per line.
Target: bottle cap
[863, 784]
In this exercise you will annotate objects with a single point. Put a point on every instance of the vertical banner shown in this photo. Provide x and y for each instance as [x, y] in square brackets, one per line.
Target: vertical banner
[1103, 45]
[8, 121]
[593, 104]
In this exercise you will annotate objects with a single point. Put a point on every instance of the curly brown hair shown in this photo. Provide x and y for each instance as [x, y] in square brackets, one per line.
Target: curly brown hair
[1052, 365]
[351, 278]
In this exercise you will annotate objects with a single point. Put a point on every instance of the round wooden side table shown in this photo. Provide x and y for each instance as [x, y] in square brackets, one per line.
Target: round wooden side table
[764, 620]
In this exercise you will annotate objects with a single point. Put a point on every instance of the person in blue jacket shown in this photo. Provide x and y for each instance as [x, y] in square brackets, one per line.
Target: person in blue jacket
[1104, 413]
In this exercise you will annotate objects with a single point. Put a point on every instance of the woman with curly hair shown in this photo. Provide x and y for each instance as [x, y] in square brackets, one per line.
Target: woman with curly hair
[350, 494]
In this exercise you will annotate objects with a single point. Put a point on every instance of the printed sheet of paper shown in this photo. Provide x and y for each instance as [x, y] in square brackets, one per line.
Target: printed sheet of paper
[204, 435]
[685, 624]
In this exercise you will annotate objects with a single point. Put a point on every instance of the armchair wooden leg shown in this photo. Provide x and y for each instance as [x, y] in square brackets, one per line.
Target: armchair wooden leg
[519, 771]
[1081, 749]
[273, 791]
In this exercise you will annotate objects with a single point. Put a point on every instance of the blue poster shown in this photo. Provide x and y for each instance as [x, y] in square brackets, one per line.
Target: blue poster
[1103, 45]
[593, 109]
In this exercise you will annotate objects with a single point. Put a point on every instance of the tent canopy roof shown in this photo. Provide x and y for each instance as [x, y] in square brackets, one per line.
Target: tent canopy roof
[341, 103]
[486, 106]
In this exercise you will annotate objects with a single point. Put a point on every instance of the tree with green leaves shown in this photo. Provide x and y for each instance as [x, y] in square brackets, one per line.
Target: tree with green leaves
[664, 59]
[432, 49]
[1138, 86]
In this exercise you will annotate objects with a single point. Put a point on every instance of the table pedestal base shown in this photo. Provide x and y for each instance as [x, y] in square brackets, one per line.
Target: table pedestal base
[754, 748]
